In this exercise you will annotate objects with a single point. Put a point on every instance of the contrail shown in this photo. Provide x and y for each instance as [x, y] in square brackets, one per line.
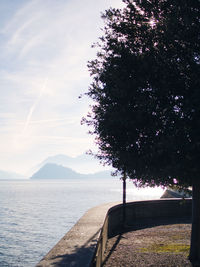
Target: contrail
[34, 106]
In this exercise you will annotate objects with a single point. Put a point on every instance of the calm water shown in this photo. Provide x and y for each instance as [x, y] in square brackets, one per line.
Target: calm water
[34, 215]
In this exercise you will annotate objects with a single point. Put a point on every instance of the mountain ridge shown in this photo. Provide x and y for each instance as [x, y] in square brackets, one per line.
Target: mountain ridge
[55, 171]
[83, 163]
[7, 175]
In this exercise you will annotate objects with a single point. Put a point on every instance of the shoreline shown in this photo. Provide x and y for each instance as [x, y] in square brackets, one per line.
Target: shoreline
[85, 242]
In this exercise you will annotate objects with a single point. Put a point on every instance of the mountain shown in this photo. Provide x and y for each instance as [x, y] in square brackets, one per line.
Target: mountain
[83, 163]
[55, 171]
[10, 175]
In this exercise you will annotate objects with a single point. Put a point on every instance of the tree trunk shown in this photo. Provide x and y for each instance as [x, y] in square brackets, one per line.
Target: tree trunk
[194, 256]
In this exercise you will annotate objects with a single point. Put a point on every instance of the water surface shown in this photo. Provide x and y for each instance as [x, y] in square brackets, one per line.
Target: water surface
[34, 215]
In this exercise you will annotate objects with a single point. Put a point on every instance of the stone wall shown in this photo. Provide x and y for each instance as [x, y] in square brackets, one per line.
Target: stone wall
[85, 243]
[138, 215]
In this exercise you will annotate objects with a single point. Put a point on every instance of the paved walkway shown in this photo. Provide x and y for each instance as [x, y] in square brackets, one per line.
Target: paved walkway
[159, 246]
[77, 247]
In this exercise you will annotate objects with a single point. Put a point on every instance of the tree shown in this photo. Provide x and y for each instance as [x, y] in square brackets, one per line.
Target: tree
[146, 112]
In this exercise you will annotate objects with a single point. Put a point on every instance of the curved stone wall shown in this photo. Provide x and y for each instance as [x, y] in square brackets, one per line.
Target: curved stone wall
[85, 243]
[138, 215]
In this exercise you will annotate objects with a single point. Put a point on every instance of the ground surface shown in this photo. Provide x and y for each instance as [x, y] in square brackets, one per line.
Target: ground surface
[166, 246]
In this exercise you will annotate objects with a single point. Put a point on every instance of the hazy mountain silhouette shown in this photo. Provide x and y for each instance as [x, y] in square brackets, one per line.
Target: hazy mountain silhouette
[55, 171]
[10, 175]
[83, 163]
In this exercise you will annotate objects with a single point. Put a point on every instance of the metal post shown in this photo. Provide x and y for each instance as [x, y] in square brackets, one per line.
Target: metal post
[124, 198]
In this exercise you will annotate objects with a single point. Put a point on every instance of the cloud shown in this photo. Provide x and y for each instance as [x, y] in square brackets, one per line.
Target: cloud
[28, 119]
[45, 46]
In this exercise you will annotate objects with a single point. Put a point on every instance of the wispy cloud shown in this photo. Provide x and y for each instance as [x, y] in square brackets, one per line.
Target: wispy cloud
[38, 115]
[28, 119]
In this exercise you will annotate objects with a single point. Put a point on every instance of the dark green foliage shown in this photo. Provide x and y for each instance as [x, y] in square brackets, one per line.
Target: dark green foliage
[146, 88]
[146, 92]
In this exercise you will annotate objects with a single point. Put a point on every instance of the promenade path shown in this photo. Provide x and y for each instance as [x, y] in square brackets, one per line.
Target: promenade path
[159, 246]
[77, 247]
[134, 248]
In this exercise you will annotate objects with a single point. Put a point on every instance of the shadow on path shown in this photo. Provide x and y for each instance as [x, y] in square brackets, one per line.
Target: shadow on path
[80, 255]
[112, 249]
[143, 225]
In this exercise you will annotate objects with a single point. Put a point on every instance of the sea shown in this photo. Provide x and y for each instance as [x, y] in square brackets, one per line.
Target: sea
[36, 214]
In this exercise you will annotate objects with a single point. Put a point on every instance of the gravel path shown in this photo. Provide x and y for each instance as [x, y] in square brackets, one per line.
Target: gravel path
[166, 246]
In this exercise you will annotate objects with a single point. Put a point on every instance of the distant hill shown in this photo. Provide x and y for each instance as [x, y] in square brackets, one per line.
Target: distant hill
[55, 171]
[10, 175]
[82, 164]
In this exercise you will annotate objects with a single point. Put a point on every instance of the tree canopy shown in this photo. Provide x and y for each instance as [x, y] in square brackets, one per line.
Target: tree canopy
[146, 91]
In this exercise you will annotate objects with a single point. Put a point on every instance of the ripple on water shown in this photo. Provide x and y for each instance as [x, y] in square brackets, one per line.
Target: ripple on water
[34, 215]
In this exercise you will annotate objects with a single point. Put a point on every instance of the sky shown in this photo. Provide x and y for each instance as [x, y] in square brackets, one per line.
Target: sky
[45, 47]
